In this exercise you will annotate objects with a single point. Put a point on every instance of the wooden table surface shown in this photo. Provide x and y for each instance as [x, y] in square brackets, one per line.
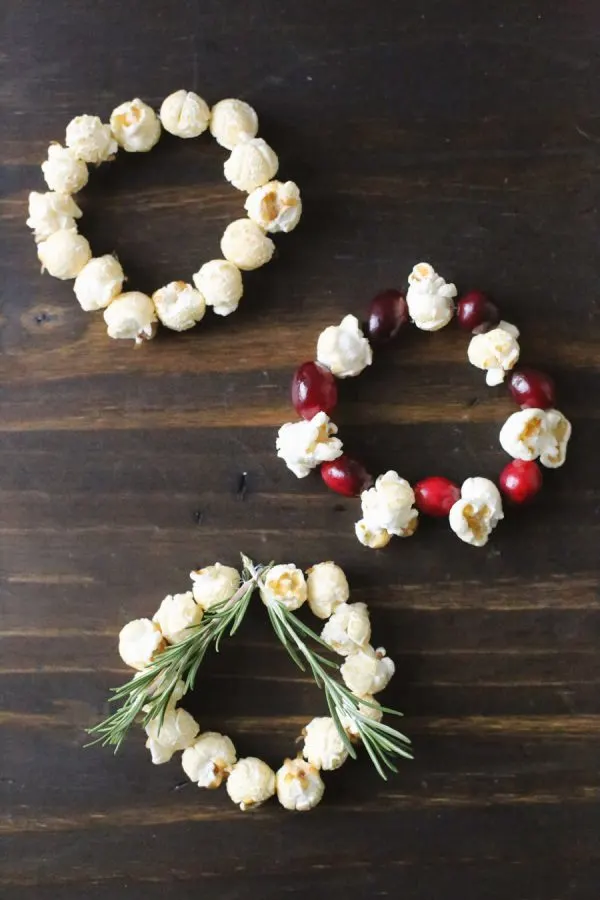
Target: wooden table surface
[463, 133]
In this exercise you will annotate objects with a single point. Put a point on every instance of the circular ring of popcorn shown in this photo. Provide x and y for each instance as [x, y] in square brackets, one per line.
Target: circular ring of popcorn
[209, 759]
[271, 207]
[390, 505]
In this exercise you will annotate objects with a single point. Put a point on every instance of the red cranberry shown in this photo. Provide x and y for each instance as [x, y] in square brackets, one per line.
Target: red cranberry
[531, 388]
[388, 312]
[476, 312]
[314, 390]
[436, 496]
[521, 480]
[346, 476]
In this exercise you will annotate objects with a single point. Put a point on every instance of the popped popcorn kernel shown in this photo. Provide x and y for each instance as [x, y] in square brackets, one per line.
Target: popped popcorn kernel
[220, 283]
[99, 282]
[299, 785]
[63, 171]
[367, 671]
[139, 642]
[370, 708]
[184, 114]
[389, 506]
[324, 747]
[233, 122]
[90, 140]
[327, 588]
[343, 348]
[207, 761]
[64, 253]
[176, 615]
[275, 207]
[135, 126]
[131, 316]
[305, 444]
[214, 584]
[176, 732]
[251, 782]
[252, 163]
[495, 351]
[348, 629]
[51, 212]
[537, 434]
[179, 306]
[285, 584]
[429, 298]
[246, 245]
[476, 514]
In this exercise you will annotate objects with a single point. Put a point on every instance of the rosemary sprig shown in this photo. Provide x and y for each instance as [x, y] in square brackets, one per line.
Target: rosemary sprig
[149, 693]
[381, 742]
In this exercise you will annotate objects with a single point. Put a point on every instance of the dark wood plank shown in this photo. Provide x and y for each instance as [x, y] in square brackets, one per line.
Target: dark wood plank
[461, 132]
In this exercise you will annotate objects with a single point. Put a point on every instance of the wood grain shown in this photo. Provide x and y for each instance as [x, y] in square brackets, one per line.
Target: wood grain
[459, 132]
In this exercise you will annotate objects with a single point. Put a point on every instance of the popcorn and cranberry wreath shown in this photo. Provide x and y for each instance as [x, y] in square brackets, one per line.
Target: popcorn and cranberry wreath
[168, 649]
[391, 506]
[272, 206]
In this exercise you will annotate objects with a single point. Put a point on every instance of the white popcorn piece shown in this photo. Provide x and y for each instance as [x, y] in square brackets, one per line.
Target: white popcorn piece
[299, 785]
[558, 433]
[348, 629]
[220, 283]
[476, 514]
[306, 444]
[324, 747]
[495, 351]
[176, 615]
[327, 588]
[139, 641]
[284, 584]
[367, 671]
[135, 126]
[344, 349]
[207, 761]
[184, 114]
[214, 584]
[389, 506]
[131, 316]
[537, 433]
[246, 245]
[64, 253]
[375, 538]
[251, 782]
[99, 282]
[369, 707]
[251, 164]
[384, 671]
[62, 170]
[276, 206]
[51, 212]
[179, 306]
[176, 694]
[90, 140]
[233, 122]
[177, 731]
[429, 298]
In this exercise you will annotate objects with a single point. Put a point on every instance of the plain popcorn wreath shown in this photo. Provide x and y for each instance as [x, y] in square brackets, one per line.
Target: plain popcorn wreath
[390, 505]
[272, 206]
[167, 651]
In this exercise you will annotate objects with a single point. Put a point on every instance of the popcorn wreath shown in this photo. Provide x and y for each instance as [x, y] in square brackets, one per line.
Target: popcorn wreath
[167, 652]
[272, 206]
[391, 506]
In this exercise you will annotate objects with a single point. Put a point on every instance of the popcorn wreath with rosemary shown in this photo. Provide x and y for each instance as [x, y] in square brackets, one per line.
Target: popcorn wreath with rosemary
[272, 206]
[167, 652]
[391, 506]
